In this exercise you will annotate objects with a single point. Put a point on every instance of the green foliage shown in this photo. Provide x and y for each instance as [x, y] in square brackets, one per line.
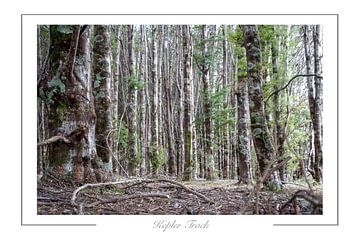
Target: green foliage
[135, 83]
[65, 29]
[158, 156]
[123, 136]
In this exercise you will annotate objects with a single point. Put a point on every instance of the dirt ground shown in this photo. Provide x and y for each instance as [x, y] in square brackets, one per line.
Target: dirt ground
[222, 197]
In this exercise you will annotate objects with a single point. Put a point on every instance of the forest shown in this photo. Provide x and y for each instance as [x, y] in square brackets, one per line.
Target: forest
[179, 119]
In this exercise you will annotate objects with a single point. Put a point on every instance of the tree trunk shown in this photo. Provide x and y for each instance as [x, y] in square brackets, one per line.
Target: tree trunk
[209, 157]
[102, 94]
[154, 147]
[314, 98]
[142, 96]
[243, 124]
[115, 94]
[132, 82]
[318, 104]
[187, 104]
[226, 130]
[278, 130]
[260, 133]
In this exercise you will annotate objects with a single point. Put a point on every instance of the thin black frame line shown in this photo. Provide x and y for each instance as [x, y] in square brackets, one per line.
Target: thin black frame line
[179, 14]
[337, 141]
[128, 14]
[21, 153]
[50, 225]
[307, 225]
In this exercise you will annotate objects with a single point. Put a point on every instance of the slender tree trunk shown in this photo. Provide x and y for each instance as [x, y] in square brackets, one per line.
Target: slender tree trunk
[314, 99]
[102, 94]
[243, 125]
[169, 111]
[180, 87]
[154, 147]
[226, 130]
[132, 161]
[115, 99]
[187, 104]
[142, 96]
[278, 130]
[317, 105]
[209, 157]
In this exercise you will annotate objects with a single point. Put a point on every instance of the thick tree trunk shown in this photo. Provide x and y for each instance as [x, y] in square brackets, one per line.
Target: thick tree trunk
[260, 133]
[71, 112]
[187, 104]
[102, 94]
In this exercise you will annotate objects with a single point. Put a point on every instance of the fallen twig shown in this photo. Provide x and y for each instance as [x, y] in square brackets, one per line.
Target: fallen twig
[127, 197]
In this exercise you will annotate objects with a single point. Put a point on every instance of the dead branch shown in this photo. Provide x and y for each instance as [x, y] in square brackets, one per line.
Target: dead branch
[289, 82]
[128, 197]
[54, 139]
[268, 171]
[314, 199]
[187, 189]
[134, 182]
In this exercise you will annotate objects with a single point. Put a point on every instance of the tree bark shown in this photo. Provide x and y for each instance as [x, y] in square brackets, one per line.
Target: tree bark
[260, 133]
[278, 130]
[132, 82]
[102, 94]
[187, 104]
[244, 152]
[154, 147]
[317, 104]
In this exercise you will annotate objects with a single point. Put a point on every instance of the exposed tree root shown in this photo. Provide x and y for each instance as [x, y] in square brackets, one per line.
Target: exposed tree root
[132, 183]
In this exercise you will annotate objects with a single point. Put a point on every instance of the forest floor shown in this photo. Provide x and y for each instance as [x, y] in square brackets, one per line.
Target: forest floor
[168, 197]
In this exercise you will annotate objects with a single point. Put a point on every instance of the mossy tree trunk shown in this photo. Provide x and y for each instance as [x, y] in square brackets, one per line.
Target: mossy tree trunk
[102, 94]
[187, 104]
[208, 131]
[243, 145]
[278, 129]
[132, 82]
[260, 133]
[68, 95]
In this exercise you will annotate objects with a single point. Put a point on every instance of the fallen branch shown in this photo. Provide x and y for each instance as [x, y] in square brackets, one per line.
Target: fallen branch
[315, 200]
[187, 189]
[137, 181]
[54, 139]
[268, 171]
[128, 197]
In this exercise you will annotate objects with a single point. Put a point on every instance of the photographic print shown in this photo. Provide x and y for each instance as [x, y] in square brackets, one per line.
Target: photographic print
[180, 119]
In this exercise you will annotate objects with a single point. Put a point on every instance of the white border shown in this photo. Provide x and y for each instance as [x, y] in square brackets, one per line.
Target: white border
[131, 223]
